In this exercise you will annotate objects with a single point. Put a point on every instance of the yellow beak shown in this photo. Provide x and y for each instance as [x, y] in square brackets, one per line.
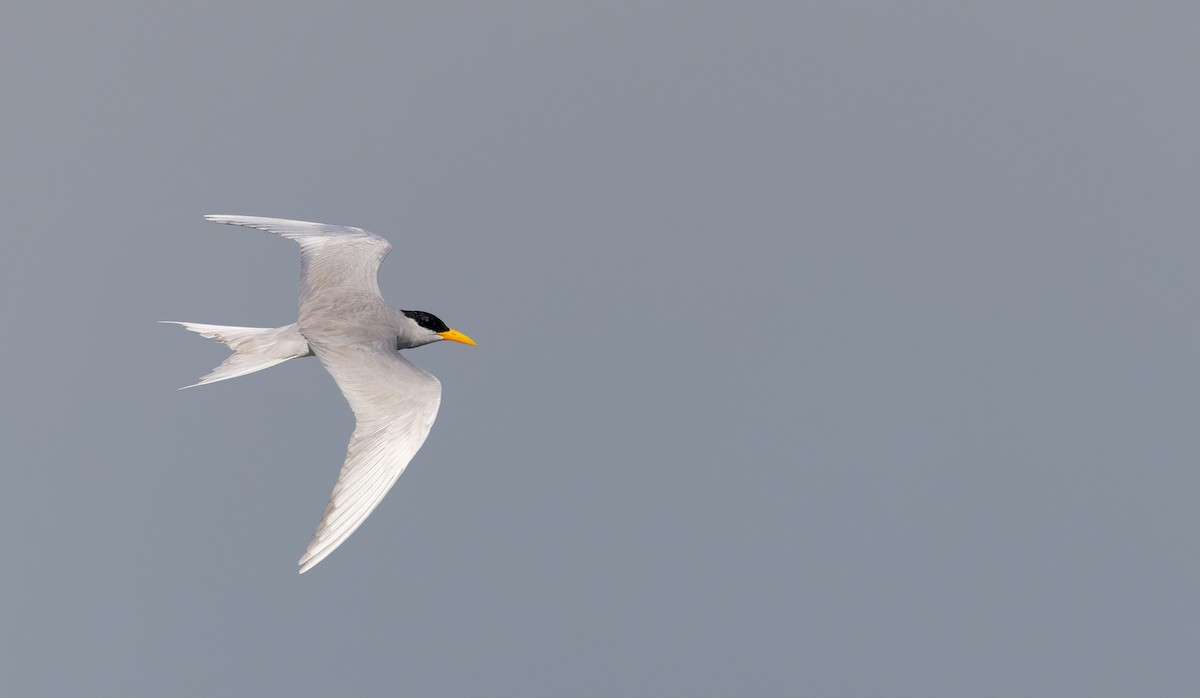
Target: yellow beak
[456, 336]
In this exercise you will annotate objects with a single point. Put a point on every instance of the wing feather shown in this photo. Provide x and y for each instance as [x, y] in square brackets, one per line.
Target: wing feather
[335, 260]
[394, 404]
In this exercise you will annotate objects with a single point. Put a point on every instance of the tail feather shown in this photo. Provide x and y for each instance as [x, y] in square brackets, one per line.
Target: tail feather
[254, 348]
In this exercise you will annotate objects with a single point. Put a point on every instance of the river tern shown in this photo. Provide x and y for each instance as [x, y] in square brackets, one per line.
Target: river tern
[344, 322]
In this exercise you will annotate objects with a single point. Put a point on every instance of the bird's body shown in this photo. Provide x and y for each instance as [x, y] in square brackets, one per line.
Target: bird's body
[345, 323]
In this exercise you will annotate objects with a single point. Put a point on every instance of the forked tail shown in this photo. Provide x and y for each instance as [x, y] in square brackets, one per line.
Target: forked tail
[254, 348]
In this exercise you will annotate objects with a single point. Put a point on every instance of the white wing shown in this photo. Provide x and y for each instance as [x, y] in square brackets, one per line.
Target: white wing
[394, 403]
[335, 261]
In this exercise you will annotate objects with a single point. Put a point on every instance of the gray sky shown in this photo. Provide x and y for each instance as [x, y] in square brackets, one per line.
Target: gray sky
[835, 349]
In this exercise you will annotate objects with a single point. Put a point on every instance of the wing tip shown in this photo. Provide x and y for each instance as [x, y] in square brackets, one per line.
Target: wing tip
[236, 219]
[223, 217]
[309, 561]
[241, 219]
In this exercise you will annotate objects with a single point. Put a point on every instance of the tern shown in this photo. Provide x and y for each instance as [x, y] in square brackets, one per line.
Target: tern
[344, 322]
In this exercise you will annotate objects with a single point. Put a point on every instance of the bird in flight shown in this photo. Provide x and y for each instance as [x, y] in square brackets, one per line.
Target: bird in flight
[344, 322]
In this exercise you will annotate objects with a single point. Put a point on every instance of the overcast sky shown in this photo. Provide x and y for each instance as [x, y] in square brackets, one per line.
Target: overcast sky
[828, 349]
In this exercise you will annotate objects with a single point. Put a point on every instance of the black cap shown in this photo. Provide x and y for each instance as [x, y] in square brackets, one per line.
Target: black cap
[427, 320]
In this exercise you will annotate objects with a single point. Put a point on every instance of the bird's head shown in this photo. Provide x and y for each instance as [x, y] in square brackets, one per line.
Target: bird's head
[426, 328]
